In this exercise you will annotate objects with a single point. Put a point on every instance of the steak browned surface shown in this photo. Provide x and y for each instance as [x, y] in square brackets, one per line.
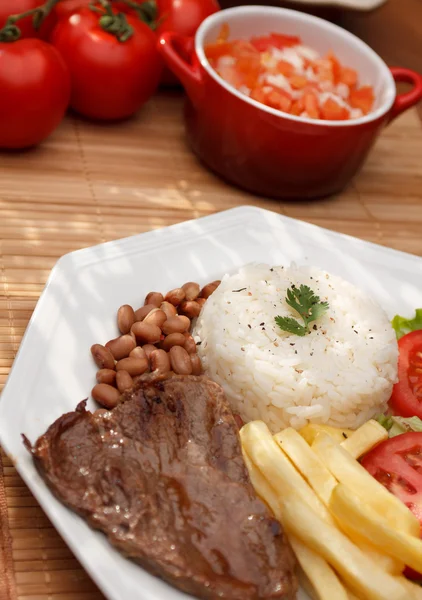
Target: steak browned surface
[162, 475]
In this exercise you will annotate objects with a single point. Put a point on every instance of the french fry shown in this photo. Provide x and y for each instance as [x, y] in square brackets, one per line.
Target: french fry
[307, 463]
[351, 473]
[415, 591]
[277, 468]
[348, 508]
[310, 431]
[365, 438]
[323, 483]
[362, 575]
[325, 583]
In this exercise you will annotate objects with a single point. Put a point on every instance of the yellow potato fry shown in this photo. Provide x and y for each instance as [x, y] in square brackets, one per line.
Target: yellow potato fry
[307, 463]
[348, 471]
[348, 508]
[277, 468]
[364, 577]
[352, 596]
[323, 483]
[415, 591]
[325, 583]
[310, 431]
[365, 438]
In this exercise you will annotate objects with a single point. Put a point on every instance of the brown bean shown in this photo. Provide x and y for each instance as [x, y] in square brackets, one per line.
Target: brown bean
[154, 298]
[160, 361]
[190, 345]
[174, 339]
[146, 333]
[208, 289]
[122, 346]
[196, 364]
[189, 308]
[102, 356]
[180, 361]
[201, 301]
[175, 296]
[138, 352]
[169, 309]
[156, 317]
[142, 312]
[106, 376]
[148, 349]
[124, 381]
[177, 324]
[134, 366]
[106, 395]
[125, 318]
[191, 289]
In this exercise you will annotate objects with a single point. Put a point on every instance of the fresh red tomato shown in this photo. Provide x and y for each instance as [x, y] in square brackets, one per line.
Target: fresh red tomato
[397, 464]
[35, 92]
[110, 79]
[15, 7]
[406, 399]
[68, 7]
[274, 40]
[183, 17]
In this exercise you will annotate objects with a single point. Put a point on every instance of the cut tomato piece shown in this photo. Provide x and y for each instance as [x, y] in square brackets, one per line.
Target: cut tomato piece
[296, 108]
[333, 111]
[406, 399]
[362, 98]
[311, 105]
[275, 40]
[224, 34]
[349, 77]
[216, 51]
[397, 464]
[258, 94]
[298, 82]
[285, 68]
[335, 66]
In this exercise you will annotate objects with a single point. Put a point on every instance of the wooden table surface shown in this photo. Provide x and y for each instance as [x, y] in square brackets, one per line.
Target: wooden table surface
[92, 183]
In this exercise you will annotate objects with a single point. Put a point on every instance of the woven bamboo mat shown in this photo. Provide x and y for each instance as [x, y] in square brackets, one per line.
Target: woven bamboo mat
[89, 184]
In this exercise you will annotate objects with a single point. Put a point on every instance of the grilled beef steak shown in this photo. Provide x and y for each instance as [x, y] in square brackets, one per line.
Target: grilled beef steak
[162, 475]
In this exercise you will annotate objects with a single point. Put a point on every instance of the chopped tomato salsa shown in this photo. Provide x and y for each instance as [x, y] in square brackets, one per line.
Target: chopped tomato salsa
[280, 71]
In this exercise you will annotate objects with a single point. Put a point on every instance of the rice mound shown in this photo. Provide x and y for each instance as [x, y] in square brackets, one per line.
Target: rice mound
[341, 374]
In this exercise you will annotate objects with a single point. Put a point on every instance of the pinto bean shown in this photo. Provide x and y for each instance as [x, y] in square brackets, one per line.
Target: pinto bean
[134, 366]
[102, 356]
[138, 352]
[142, 312]
[180, 361]
[175, 296]
[177, 324]
[174, 339]
[156, 317]
[210, 288]
[160, 361]
[189, 345]
[106, 395]
[189, 308]
[154, 298]
[196, 364]
[124, 381]
[191, 290]
[146, 333]
[201, 301]
[125, 318]
[122, 346]
[169, 309]
[106, 376]
[148, 349]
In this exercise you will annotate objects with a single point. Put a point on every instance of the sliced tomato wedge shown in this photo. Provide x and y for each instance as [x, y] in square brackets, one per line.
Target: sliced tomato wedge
[275, 40]
[406, 399]
[397, 464]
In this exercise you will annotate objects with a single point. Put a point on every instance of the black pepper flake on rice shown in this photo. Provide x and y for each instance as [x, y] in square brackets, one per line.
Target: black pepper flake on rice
[295, 351]
[261, 324]
[371, 338]
[355, 331]
[250, 326]
[314, 327]
[271, 270]
[198, 343]
[241, 290]
[292, 343]
[242, 348]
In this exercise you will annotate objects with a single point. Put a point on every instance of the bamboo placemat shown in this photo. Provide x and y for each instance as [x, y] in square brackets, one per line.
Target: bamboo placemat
[92, 183]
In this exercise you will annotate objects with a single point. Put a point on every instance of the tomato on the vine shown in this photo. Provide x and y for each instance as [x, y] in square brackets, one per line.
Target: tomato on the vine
[14, 7]
[68, 7]
[35, 92]
[111, 79]
[182, 17]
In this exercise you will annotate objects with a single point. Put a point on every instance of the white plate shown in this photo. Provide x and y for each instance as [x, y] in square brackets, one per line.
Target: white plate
[365, 5]
[54, 370]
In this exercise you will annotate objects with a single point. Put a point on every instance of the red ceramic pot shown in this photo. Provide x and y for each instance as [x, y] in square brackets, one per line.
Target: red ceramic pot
[261, 149]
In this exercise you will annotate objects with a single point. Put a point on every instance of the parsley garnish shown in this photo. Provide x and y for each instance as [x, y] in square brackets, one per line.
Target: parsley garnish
[309, 306]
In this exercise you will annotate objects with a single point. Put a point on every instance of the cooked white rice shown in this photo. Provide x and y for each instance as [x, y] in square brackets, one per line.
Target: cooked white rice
[340, 374]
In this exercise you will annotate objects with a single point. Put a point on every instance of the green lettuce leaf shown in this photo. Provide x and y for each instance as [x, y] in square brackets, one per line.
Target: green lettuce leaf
[402, 326]
[398, 425]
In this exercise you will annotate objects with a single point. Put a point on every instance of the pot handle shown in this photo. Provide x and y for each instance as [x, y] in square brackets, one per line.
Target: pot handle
[180, 56]
[407, 99]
